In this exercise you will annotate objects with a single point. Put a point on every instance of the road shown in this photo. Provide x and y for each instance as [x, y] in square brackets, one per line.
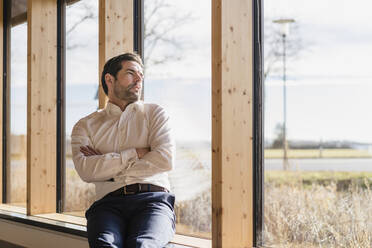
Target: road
[344, 164]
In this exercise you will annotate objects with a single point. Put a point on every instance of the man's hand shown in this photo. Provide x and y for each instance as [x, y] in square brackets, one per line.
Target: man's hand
[142, 151]
[89, 151]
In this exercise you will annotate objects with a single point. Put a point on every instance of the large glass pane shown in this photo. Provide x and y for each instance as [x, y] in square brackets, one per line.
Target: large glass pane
[81, 92]
[318, 86]
[178, 76]
[17, 125]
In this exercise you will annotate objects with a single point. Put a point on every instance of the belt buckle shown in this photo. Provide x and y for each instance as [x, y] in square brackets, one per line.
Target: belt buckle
[126, 192]
[139, 188]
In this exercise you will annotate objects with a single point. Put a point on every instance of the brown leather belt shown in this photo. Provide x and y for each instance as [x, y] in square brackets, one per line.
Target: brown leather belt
[137, 188]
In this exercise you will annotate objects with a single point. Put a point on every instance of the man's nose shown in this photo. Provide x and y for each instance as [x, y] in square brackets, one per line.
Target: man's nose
[138, 77]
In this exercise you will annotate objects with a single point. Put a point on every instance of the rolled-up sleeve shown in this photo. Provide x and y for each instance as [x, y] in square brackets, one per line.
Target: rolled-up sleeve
[98, 167]
[161, 157]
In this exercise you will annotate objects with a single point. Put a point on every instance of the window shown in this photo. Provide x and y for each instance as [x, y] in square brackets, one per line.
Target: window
[177, 47]
[319, 195]
[178, 77]
[17, 108]
[81, 92]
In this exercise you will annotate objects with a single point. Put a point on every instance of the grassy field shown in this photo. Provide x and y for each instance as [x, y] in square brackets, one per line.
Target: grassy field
[312, 210]
[324, 178]
[316, 153]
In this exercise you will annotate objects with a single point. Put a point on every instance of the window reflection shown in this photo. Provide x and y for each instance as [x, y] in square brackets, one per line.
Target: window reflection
[17, 117]
[81, 90]
[177, 55]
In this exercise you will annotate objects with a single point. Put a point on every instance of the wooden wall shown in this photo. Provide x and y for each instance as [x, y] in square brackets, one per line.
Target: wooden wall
[41, 106]
[232, 123]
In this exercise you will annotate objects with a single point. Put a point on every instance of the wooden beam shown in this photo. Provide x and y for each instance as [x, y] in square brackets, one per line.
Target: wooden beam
[232, 123]
[115, 33]
[41, 106]
[1, 97]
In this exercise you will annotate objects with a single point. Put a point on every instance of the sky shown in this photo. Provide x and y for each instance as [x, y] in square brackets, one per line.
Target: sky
[328, 88]
[330, 82]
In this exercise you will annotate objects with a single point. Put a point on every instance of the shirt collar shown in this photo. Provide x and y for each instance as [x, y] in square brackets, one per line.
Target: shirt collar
[115, 110]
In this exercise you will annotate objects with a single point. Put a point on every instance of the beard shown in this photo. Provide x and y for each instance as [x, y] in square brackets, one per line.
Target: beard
[124, 93]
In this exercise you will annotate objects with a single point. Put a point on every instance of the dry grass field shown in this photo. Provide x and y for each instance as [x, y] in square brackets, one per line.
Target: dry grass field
[17, 184]
[313, 210]
[319, 216]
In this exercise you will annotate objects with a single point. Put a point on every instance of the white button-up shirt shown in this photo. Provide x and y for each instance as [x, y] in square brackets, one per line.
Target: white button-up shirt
[116, 134]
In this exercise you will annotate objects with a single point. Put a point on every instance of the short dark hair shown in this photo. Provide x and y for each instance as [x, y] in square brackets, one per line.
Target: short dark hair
[113, 65]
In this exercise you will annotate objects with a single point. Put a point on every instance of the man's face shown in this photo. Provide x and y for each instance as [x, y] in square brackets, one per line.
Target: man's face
[128, 83]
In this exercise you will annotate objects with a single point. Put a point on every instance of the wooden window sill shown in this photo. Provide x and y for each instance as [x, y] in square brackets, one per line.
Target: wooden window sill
[13, 208]
[77, 225]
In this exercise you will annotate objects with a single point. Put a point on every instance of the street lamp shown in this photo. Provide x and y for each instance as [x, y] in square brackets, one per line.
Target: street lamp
[284, 33]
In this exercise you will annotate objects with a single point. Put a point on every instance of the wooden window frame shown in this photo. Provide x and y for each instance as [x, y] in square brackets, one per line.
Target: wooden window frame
[2, 102]
[236, 110]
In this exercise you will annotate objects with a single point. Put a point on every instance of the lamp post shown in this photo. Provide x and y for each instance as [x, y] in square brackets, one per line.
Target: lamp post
[284, 33]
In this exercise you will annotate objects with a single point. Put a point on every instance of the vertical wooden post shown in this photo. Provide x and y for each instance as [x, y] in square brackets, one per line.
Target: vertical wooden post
[115, 33]
[232, 123]
[1, 97]
[41, 106]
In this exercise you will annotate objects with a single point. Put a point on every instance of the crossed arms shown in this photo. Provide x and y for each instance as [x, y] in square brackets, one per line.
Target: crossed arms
[95, 166]
[90, 151]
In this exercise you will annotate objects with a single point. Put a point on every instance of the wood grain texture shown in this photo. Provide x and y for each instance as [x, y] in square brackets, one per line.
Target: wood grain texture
[42, 107]
[216, 125]
[232, 123]
[115, 34]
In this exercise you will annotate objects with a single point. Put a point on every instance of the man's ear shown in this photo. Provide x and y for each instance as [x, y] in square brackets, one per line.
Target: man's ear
[108, 80]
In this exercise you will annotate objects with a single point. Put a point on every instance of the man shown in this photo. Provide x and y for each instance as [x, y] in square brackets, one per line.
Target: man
[126, 150]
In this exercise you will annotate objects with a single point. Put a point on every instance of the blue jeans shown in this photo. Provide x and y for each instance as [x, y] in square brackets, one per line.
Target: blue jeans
[140, 220]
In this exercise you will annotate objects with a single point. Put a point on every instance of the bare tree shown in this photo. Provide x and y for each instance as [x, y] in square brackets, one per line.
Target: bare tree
[161, 22]
[273, 47]
[88, 13]
[279, 134]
